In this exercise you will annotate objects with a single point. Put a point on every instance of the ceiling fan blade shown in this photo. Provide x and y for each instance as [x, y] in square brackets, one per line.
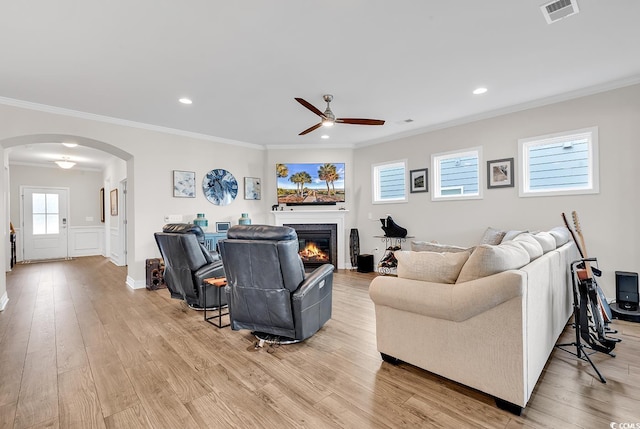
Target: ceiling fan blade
[358, 121]
[310, 107]
[308, 130]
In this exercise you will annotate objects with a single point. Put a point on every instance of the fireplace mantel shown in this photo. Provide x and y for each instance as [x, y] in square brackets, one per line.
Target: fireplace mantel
[318, 216]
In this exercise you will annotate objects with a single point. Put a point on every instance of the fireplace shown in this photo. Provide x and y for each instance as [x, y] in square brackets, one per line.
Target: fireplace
[319, 216]
[317, 243]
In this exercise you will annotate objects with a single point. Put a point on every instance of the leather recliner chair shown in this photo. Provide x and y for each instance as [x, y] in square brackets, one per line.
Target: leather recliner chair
[187, 263]
[267, 289]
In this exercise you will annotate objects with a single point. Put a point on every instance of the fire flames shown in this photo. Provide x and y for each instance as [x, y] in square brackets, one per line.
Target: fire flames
[311, 252]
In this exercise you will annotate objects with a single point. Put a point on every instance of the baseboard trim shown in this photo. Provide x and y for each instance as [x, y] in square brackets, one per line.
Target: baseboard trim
[4, 300]
[135, 284]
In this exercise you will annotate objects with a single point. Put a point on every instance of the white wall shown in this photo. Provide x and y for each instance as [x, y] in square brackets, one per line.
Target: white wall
[609, 219]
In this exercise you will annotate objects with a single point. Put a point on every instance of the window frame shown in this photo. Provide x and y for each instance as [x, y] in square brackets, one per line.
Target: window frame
[375, 182]
[436, 194]
[591, 133]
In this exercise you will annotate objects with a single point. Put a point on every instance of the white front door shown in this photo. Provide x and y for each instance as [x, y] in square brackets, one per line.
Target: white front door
[45, 223]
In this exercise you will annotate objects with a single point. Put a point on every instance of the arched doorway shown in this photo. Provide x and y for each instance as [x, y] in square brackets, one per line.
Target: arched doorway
[34, 140]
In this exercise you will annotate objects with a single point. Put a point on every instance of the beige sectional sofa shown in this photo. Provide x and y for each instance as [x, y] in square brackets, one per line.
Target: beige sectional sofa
[492, 325]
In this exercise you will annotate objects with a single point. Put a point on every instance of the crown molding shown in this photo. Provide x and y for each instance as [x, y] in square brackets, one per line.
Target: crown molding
[122, 122]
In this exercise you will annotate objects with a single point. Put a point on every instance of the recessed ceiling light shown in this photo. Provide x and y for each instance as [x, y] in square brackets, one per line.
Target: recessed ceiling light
[324, 136]
[479, 91]
[70, 144]
[185, 100]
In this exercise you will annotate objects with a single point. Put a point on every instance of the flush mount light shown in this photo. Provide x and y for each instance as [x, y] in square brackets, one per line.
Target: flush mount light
[65, 163]
[185, 100]
[479, 91]
[324, 136]
[70, 144]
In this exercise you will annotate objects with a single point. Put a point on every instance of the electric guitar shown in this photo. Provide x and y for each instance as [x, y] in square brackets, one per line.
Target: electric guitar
[605, 310]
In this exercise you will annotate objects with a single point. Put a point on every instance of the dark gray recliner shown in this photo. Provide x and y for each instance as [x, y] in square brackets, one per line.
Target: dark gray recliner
[187, 263]
[267, 289]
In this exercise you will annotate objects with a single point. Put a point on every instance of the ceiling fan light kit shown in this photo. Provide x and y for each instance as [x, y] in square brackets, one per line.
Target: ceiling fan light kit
[328, 118]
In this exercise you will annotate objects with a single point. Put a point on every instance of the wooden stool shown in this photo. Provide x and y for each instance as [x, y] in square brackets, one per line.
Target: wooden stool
[218, 282]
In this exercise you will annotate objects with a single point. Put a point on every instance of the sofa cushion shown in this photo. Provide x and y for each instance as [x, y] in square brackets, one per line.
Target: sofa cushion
[546, 240]
[492, 236]
[425, 246]
[561, 234]
[530, 244]
[488, 259]
[430, 266]
[510, 235]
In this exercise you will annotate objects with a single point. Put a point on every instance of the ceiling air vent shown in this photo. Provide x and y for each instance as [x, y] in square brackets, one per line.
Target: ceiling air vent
[559, 9]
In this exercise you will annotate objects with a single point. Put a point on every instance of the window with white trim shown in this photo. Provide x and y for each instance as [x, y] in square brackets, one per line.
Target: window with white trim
[456, 175]
[389, 182]
[559, 164]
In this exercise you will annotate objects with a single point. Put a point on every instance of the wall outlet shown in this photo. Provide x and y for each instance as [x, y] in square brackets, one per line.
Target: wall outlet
[173, 218]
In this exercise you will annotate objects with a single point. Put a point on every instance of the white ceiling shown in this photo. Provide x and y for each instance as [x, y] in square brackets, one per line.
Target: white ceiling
[243, 63]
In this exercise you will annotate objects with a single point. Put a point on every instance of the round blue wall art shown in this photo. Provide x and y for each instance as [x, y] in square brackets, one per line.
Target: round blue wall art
[220, 187]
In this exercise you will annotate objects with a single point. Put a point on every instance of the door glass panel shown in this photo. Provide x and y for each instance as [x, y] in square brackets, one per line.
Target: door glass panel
[38, 201]
[52, 224]
[39, 226]
[45, 214]
[52, 203]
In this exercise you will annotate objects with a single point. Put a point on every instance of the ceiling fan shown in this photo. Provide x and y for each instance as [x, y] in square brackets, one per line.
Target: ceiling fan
[328, 118]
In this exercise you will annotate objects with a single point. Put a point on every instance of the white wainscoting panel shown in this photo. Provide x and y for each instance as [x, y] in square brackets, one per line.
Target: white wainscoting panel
[86, 240]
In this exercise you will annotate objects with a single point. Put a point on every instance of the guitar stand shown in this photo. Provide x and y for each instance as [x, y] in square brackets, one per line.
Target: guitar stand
[581, 302]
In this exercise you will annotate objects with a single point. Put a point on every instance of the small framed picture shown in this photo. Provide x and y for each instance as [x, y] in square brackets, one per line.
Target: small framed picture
[252, 188]
[500, 173]
[184, 184]
[102, 205]
[113, 199]
[419, 180]
[223, 226]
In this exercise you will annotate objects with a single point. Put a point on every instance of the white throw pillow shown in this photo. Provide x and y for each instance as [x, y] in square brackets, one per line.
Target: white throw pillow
[546, 240]
[530, 244]
[487, 259]
[430, 266]
[426, 246]
[561, 234]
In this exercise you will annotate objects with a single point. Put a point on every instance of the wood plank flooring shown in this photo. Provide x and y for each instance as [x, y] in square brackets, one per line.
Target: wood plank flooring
[79, 349]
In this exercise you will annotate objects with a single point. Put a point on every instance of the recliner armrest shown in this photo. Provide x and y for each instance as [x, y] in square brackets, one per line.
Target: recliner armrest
[312, 280]
[214, 269]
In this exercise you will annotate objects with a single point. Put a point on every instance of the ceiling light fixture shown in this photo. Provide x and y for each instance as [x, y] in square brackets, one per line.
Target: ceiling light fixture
[65, 163]
[324, 136]
[479, 91]
[185, 100]
[70, 144]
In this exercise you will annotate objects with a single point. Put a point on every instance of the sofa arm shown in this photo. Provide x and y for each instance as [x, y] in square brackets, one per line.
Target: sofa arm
[455, 302]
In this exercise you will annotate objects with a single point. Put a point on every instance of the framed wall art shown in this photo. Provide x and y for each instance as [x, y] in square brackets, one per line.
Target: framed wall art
[500, 173]
[252, 188]
[102, 205]
[184, 184]
[419, 180]
[223, 226]
[113, 199]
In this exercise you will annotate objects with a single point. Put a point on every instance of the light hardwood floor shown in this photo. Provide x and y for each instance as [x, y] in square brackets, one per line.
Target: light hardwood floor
[79, 349]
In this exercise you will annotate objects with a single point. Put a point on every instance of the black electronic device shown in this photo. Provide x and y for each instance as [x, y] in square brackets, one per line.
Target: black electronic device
[627, 290]
[365, 263]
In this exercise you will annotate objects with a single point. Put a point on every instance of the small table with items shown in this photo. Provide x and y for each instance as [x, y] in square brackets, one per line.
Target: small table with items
[218, 282]
[388, 263]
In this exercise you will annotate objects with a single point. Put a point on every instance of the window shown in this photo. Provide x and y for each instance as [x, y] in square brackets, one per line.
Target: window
[389, 182]
[45, 214]
[456, 175]
[559, 164]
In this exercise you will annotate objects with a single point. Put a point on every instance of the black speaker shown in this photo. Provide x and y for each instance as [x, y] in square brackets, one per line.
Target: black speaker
[627, 290]
[155, 274]
[365, 263]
